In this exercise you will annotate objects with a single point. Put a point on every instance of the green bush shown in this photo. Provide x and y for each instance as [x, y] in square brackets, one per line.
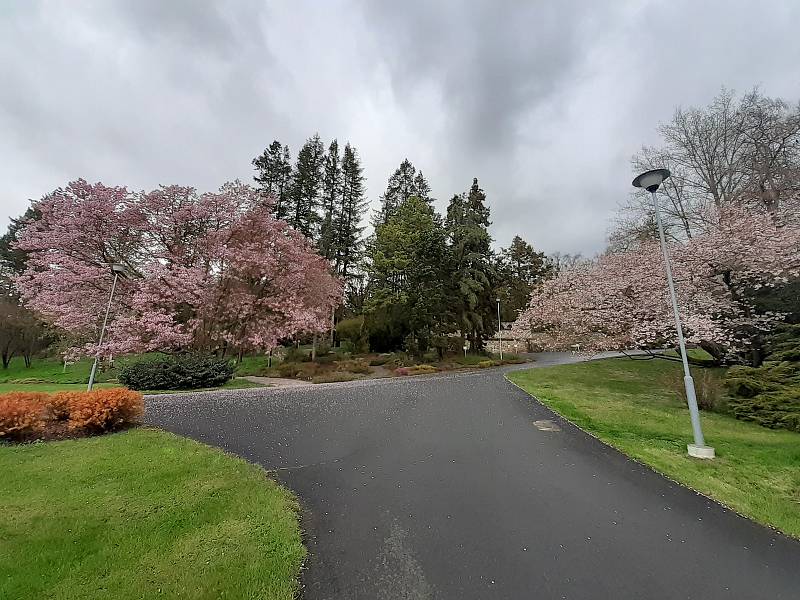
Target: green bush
[776, 410]
[181, 372]
[377, 361]
[770, 394]
[295, 354]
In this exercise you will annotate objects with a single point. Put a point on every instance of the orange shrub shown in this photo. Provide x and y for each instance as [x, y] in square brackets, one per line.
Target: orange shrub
[21, 414]
[58, 405]
[104, 410]
[24, 415]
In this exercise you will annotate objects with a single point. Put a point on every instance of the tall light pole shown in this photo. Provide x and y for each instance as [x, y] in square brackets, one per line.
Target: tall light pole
[118, 270]
[499, 328]
[650, 181]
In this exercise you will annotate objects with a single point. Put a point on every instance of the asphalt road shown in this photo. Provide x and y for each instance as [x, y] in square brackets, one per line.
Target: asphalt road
[442, 487]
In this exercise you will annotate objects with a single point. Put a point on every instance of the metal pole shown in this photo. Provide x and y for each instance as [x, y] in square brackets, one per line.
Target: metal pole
[688, 382]
[499, 329]
[102, 333]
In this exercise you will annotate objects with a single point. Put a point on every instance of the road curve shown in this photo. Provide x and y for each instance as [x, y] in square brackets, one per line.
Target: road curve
[441, 487]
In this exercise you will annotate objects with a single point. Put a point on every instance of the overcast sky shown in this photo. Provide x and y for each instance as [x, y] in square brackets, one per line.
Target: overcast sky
[544, 102]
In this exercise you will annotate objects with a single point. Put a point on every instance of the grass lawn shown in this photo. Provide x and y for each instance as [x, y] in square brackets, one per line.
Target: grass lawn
[626, 404]
[49, 375]
[143, 514]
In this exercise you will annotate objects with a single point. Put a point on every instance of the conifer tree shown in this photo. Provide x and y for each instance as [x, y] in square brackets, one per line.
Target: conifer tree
[473, 273]
[331, 202]
[274, 174]
[404, 183]
[306, 187]
[347, 223]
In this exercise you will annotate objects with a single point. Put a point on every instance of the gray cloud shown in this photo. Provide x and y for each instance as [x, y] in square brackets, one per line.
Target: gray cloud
[543, 102]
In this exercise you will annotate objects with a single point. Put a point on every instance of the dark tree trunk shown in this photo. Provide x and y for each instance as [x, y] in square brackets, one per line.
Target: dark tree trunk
[714, 350]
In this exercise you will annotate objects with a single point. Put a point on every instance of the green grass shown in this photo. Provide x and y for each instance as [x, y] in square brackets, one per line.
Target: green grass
[625, 403]
[48, 370]
[49, 375]
[143, 514]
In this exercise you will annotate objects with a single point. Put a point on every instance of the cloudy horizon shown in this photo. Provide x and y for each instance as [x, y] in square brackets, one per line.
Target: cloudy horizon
[544, 104]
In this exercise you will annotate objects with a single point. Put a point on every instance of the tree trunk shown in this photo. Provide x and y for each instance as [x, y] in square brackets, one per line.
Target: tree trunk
[314, 349]
[715, 350]
[27, 357]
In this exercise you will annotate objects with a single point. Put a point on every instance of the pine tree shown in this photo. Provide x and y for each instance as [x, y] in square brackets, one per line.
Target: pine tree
[422, 189]
[520, 267]
[404, 183]
[347, 223]
[473, 273]
[274, 176]
[306, 186]
[331, 202]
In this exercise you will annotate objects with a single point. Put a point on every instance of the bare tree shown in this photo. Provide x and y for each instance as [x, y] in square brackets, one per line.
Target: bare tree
[732, 151]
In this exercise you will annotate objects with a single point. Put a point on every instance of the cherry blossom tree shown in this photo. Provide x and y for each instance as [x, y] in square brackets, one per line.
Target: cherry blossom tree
[208, 271]
[620, 300]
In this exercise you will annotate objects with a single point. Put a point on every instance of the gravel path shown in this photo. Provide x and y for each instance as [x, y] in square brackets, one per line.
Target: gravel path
[443, 487]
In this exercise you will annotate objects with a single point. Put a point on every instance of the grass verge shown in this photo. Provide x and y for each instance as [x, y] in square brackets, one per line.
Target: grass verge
[143, 514]
[625, 404]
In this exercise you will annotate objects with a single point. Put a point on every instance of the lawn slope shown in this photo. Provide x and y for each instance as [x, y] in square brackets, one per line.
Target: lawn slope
[143, 514]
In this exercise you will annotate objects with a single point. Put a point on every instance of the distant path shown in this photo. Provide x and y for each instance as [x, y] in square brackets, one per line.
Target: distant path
[441, 487]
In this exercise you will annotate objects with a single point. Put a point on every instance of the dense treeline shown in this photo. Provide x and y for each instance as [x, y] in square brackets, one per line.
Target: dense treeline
[420, 279]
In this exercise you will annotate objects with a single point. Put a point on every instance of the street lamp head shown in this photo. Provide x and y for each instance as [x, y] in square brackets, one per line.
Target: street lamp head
[498, 300]
[650, 180]
[119, 269]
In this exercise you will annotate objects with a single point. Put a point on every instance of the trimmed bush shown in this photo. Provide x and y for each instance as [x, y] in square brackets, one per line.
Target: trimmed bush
[182, 372]
[31, 415]
[21, 415]
[101, 410]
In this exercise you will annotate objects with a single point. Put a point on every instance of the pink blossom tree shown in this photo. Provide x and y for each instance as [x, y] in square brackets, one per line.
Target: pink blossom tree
[209, 271]
[620, 300]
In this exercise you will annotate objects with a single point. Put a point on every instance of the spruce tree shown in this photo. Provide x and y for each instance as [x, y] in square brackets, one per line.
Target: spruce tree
[331, 202]
[404, 183]
[347, 223]
[520, 267]
[306, 187]
[274, 171]
[473, 273]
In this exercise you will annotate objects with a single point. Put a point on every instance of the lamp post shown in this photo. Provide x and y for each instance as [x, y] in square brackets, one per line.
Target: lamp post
[499, 328]
[118, 270]
[651, 180]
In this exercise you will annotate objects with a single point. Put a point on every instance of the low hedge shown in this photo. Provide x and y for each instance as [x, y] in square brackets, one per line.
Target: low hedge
[31, 415]
[182, 372]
